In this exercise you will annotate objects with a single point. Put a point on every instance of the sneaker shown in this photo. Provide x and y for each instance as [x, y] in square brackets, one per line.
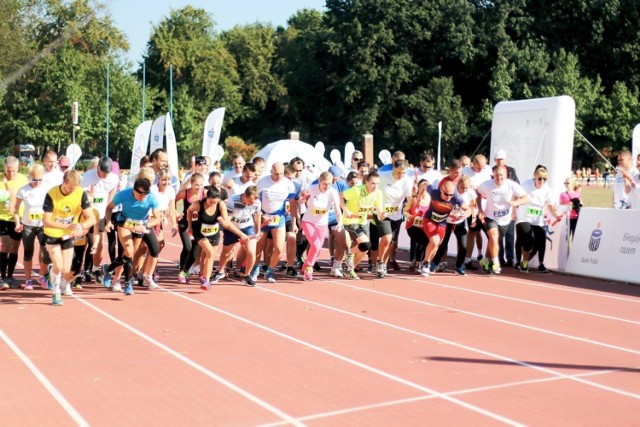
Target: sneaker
[336, 272]
[484, 263]
[299, 262]
[379, 269]
[308, 274]
[495, 269]
[13, 283]
[128, 289]
[149, 282]
[461, 270]
[67, 290]
[43, 282]
[433, 267]
[3, 285]
[156, 276]
[331, 260]
[77, 283]
[284, 266]
[353, 275]
[350, 261]
[291, 272]
[269, 276]
[524, 266]
[49, 276]
[204, 284]
[57, 299]
[217, 277]
[316, 267]
[139, 278]
[543, 269]
[393, 265]
[194, 270]
[442, 267]
[97, 276]
[116, 287]
[424, 269]
[106, 276]
[249, 281]
[86, 276]
[183, 277]
[479, 257]
[470, 266]
[254, 274]
[28, 285]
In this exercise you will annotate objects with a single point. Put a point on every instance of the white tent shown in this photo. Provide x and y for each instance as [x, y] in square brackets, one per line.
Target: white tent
[286, 149]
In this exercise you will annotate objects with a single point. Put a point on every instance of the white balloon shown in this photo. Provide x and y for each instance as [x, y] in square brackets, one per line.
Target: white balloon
[335, 156]
[385, 157]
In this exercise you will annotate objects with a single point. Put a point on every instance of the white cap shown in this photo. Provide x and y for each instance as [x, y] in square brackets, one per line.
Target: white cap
[500, 154]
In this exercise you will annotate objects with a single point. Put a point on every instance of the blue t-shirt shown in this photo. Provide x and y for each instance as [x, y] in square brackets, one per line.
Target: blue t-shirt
[132, 208]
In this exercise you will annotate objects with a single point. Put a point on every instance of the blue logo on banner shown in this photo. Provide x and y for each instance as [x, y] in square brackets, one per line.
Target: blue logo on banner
[156, 138]
[594, 240]
[211, 133]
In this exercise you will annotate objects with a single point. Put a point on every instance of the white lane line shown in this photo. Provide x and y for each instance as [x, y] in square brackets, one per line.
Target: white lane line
[524, 301]
[452, 343]
[487, 317]
[350, 361]
[399, 402]
[73, 413]
[285, 417]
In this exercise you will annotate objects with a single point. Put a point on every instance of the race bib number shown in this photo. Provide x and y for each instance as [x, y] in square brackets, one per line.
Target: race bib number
[320, 211]
[533, 212]
[240, 220]
[500, 214]
[133, 223]
[438, 217]
[417, 222]
[63, 220]
[36, 216]
[98, 200]
[391, 209]
[274, 221]
[209, 229]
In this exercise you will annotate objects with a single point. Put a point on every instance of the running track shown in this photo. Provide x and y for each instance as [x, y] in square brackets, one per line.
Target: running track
[446, 350]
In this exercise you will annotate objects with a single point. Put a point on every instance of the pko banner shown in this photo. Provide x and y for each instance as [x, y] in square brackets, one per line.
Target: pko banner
[606, 244]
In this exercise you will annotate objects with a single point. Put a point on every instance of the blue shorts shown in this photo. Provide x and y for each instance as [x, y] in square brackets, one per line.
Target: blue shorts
[277, 221]
[231, 238]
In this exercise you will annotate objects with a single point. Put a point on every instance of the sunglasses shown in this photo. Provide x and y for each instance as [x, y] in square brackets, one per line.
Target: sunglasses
[566, 183]
[357, 159]
[201, 163]
[142, 193]
[36, 180]
[541, 179]
[447, 194]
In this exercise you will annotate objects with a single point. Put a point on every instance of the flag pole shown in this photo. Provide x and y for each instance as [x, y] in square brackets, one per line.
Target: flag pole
[107, 139]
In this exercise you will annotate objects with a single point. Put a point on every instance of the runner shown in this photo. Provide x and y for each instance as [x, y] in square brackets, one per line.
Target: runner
[10, 239]
[63, 206]
[190, 192]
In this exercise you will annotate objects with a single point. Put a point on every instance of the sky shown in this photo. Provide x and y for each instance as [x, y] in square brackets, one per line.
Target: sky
[135, 17]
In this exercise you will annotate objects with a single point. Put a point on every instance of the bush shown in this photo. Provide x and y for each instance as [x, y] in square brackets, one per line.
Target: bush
[233, 145]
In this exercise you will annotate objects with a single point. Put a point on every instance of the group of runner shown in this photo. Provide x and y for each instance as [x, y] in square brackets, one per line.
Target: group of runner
[284, 213]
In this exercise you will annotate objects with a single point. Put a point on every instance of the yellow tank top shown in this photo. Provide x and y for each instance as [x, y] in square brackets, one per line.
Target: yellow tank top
[15, 184]
[66, 210]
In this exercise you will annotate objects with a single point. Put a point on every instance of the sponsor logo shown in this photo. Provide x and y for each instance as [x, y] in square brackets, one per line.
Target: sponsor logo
[594, 240]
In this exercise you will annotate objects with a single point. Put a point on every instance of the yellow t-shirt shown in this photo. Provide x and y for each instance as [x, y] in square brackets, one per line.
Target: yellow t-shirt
[15, 184]
[358, 200]
[66, 209]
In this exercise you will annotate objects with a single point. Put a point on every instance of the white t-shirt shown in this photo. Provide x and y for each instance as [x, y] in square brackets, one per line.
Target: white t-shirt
[165, 197]
[238, 186]
[395, 192]
[319, 204]
[499, 198]
[459, 217]
[433, 176]
[32, 200]
[273, 195]
[477, 178]
[239, 213]
[230, 175]
[533, 212]
[101, 188]
[621, 199]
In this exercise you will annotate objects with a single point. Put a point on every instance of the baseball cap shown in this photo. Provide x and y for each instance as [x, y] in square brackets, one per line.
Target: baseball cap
[64, 162]
[105, 164]
[335, 171]
[500, 154]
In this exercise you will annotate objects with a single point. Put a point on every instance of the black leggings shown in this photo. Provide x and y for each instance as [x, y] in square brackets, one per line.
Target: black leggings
[114, 242]
[78, 256]
[151, 240]
[460, 231]
[187, 255]
[532, 239]
[418, 243]
[29, 235]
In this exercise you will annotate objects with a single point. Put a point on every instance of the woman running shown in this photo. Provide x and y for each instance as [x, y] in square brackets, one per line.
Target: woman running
[190, 192]
[414, 211]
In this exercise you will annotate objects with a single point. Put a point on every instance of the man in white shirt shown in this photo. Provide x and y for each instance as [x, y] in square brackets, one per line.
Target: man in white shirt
[238, 163]
[478, 173]
[624, 181]
[52, 175]
[426, 170]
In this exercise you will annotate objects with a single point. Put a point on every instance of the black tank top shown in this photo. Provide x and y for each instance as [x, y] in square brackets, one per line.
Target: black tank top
[206, 225]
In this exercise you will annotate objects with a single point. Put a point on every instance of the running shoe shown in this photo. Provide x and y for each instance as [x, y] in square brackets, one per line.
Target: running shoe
[495, 268]
[424, 269]
[49, 278]
[3, 285]
[484, 263]
[86, 276]
[269, 276]
[194, 270]
[442, 267]
[77, 283]
[248, 280]
[43, 282]
[128, 289]
[524, 266]
[67, 289]
[28, 285]
[217, 277]
[337, 272]
[353, 275]
[149, 282]
[255, 272]
[204, 284]
[316, 267]
[117, 287]
[183, 277]
[13, 283]
[393, 264]
[380, 269]
[106, 276]
[284, 266]
[543, 269]
[369, 268]
[97, 276]
[351, 261]
[461, 270]
[57, 299]
[470, 266]
[300, 262]
[308, 274]
[291, 272]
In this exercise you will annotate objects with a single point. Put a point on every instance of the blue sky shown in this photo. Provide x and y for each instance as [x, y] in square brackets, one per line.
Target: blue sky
[135, 17]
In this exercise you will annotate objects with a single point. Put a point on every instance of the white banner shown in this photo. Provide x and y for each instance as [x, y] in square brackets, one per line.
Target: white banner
[74, 152]
[606, 244]
[140, 145]
[212, 129]
[172, 148]
[157, 133]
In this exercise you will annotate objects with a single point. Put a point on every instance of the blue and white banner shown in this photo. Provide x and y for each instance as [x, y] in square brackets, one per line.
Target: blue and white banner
[157, 134]
[212, 129]
[172, 148]
[140, 145]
